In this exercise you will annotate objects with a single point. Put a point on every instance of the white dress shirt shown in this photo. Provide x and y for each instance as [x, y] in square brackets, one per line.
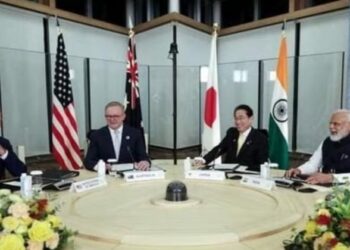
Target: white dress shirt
[116, 135]
[4, 156]
[314, 164]
[241, 139]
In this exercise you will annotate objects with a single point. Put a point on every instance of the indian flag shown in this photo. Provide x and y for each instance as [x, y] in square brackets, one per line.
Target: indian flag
[278, 123]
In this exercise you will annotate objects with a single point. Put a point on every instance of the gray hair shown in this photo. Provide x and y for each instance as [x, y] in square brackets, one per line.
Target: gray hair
[343, 111]
[114, 104]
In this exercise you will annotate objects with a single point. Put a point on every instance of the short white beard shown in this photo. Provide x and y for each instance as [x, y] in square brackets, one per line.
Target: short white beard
[338, 136]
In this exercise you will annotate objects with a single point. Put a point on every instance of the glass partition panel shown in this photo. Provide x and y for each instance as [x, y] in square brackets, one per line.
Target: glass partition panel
[269, 75]
[188, 131]
[161, 106]
[238, 84]
[24, 100]
[320, 86]
[107, 83]
[144, 88]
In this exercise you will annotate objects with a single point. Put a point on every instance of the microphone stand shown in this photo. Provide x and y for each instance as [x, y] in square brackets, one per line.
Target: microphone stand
[132, 158]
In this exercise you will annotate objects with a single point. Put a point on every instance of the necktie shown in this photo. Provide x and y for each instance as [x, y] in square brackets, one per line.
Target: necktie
[241, 140]
[116, 143]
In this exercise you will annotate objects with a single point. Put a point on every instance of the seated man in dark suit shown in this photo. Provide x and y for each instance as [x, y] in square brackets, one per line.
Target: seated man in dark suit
[9, 160]
[242, 144]
[116, 141]
[332, 156]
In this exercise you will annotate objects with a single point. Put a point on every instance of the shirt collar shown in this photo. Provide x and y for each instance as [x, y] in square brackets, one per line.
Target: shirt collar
[120, 130]
[246, 133]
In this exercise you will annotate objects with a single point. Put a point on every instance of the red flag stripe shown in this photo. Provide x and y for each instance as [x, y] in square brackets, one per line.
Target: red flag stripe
[64, 138]
[67, 137]
[67, 128]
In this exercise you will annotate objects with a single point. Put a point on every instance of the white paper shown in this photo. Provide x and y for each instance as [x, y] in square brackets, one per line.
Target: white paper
[225, 166]
[13, 183]
[122, 167]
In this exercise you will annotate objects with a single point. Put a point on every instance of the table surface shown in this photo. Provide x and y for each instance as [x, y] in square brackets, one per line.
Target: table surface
[218, 215]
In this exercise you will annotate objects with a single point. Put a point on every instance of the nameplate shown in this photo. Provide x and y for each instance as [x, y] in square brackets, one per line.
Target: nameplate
[85, 185]
[258, 182]
[143, 175]
[342, 178]
[205, 175]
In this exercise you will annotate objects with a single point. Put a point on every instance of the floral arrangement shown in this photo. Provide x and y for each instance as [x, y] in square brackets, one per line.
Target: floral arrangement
[329, 227]
[30, 224]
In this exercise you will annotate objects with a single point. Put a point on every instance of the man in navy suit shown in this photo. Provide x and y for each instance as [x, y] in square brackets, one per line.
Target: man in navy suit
[9, 160]
[242, 144]
[116, 141]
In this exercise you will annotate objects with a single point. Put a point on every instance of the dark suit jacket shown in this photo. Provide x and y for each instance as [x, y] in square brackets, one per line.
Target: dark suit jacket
[12, 163]
[253, 152]
[101, 147]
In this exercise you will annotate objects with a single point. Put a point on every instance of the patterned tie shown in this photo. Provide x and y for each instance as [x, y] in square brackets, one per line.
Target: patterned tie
[116, 143]
[241, 140]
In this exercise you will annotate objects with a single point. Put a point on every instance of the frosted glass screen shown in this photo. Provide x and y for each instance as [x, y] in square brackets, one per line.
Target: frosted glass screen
[188, 129]
[161, 106]
[24, 100]
[143, 86]
[107, 83]
[320, 86]
[238, 84]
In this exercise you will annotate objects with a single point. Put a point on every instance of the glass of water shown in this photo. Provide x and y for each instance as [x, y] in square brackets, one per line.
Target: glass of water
[36, 181]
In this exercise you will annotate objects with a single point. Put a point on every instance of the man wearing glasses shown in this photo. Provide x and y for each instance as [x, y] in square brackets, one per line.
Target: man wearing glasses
[116, 141]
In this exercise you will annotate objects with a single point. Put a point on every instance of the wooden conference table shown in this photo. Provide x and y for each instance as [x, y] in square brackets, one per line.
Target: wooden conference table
[219, 215]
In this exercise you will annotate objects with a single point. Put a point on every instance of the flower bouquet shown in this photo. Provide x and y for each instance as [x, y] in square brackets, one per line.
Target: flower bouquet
[329, 227]
[30, 224]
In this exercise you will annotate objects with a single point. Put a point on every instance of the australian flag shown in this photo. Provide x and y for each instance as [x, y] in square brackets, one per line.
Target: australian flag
[132, 92]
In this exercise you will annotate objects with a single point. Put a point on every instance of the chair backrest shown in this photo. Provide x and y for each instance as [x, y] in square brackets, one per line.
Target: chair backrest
[88, 134]
[264, 131]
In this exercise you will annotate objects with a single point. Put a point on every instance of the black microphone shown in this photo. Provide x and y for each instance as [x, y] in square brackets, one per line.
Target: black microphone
[132, 157]
[217, 154]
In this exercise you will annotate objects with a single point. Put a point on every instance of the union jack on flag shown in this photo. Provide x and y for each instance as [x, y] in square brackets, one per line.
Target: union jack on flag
[132, 91]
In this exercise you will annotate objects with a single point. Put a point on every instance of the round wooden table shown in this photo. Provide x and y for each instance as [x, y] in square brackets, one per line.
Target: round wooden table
[218, 214]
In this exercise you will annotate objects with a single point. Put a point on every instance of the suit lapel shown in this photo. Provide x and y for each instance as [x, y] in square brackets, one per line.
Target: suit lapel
[109, 141]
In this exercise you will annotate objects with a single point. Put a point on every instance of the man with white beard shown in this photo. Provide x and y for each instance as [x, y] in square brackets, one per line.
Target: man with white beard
[332, 156]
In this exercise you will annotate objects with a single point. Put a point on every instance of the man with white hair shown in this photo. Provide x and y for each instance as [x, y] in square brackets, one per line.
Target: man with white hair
[332, 156]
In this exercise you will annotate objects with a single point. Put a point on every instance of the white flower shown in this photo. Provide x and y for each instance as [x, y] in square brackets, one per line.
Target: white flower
[52, 243]
[19, 210]
[35, 245]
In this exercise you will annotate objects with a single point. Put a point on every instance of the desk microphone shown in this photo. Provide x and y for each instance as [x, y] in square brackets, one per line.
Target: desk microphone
[217, 154]
[132, 157]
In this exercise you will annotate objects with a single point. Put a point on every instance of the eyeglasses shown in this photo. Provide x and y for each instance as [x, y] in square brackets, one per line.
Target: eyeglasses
[112, 116]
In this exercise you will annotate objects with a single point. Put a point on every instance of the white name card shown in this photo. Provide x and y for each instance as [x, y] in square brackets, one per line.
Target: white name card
[342, 178]
[205, 175]
[81, 186]
[143, 175]
[258, 182]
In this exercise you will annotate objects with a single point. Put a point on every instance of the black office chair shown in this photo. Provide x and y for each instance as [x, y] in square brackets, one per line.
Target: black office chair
[264, 132]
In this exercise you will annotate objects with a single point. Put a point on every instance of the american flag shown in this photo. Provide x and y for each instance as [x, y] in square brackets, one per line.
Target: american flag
[65, 141]
[132, 92]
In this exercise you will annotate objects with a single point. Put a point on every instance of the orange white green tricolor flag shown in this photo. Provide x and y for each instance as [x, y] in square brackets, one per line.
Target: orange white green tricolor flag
[278, 123]
[211, 125]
